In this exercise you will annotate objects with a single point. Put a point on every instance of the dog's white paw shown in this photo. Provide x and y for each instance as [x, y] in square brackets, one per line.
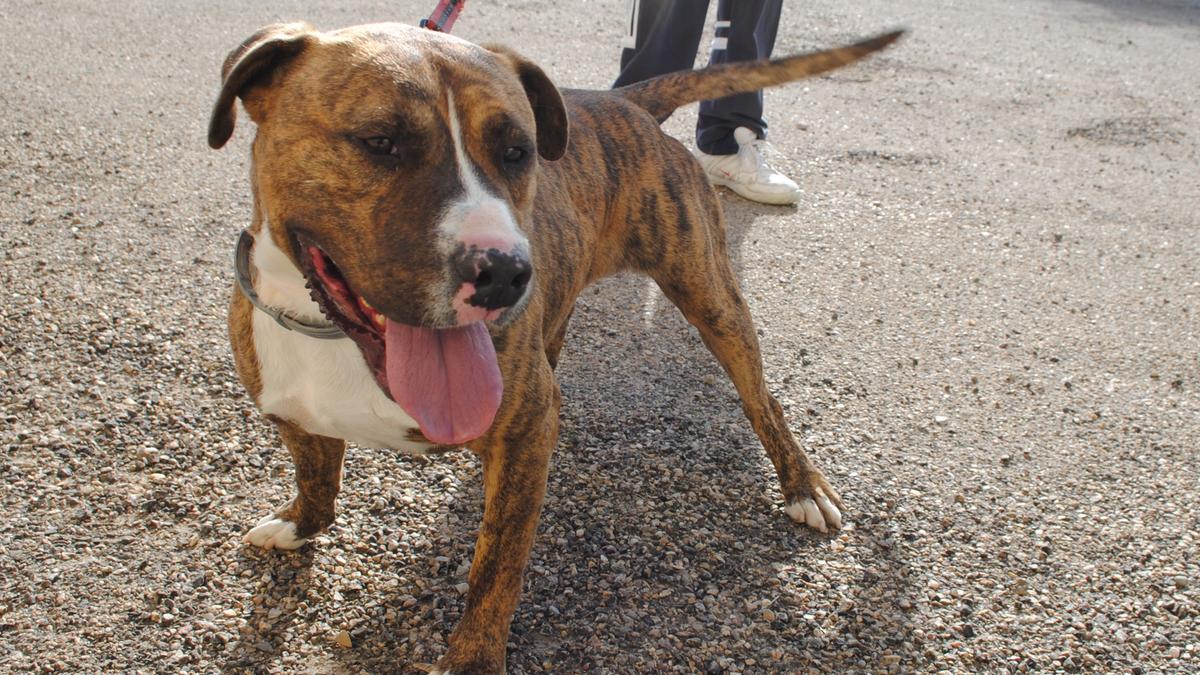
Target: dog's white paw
[272, 532]
[819, 513]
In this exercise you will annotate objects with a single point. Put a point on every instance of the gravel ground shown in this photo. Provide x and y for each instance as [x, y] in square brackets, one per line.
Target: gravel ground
[981, 318]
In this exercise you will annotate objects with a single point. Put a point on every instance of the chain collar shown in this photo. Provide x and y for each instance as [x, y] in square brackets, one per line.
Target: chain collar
[241, 272]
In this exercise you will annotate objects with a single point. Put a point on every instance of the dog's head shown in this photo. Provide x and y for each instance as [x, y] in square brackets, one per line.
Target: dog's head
[396, 167]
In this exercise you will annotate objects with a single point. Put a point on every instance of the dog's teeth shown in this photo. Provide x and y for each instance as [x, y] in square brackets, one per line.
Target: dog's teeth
[380, 320]
[362, 302]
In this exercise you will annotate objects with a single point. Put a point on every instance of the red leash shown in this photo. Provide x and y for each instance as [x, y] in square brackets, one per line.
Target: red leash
[444, 15]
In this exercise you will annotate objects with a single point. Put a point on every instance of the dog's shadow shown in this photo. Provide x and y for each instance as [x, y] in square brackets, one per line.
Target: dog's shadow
[662, 539]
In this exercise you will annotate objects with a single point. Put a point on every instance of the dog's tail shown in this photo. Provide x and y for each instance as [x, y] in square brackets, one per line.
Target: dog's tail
[660, 96]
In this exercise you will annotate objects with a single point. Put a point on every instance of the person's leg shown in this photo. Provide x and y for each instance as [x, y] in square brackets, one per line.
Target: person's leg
[745, 31]
[730, 130]
[666, 34]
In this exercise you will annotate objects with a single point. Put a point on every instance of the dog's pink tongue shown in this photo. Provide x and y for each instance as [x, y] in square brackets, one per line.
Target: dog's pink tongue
[448, 379]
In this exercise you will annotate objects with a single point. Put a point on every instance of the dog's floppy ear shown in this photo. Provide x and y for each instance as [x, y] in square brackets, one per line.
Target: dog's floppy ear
[548, 109]
[251, 63]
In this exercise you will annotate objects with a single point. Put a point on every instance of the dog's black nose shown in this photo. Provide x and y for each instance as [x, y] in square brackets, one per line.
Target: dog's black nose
[501, 281]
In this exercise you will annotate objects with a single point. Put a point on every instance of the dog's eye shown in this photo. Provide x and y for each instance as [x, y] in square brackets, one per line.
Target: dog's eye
[379, 145]
[514, 155]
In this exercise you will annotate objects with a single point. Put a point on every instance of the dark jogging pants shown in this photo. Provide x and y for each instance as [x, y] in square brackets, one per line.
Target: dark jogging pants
[665, 35]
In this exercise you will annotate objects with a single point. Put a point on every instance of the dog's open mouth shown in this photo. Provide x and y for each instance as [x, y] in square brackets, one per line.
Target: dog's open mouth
[447, 379]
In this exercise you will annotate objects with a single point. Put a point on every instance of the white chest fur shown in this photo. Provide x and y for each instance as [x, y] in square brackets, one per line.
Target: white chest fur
[322, 385]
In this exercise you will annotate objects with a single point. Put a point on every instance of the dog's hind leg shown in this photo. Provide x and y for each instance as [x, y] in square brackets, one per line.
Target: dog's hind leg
[714, 305]
[318, 462]
[706, 291]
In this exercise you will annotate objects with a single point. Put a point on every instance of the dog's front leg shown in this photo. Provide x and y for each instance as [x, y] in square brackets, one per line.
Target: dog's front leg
[516, 458]
[318, 463]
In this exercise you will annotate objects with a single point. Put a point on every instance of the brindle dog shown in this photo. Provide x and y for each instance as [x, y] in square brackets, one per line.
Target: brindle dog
[443, 205]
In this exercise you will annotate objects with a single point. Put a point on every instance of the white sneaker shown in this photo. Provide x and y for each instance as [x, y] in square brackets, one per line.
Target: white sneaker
[747, 173]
